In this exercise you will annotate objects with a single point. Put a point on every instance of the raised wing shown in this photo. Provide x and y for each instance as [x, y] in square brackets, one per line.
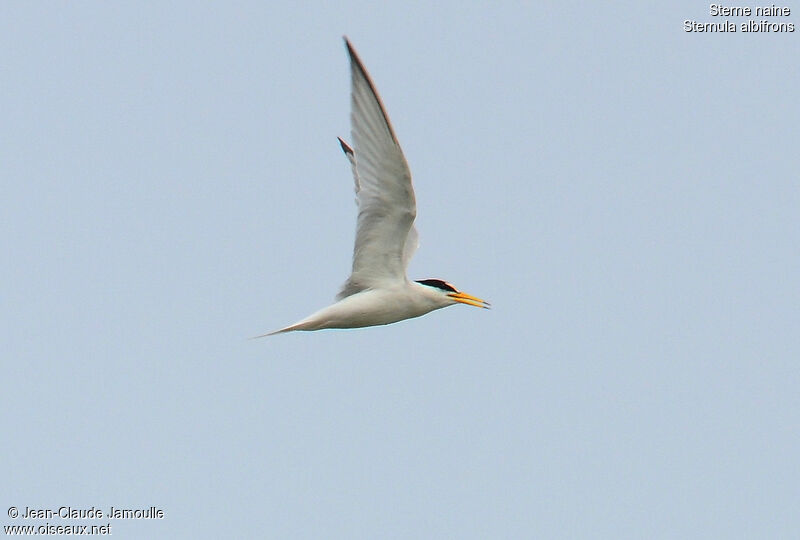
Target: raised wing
[385, 236]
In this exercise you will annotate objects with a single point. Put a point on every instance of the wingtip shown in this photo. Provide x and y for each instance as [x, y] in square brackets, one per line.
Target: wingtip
[351, 51]
[346, 148]
[357, 66]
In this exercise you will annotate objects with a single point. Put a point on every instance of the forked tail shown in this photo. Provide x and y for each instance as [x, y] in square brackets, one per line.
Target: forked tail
[302, 325]
[281, 331]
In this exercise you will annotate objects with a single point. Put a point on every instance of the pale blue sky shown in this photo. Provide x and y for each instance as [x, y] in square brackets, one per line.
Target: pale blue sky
[624, 193]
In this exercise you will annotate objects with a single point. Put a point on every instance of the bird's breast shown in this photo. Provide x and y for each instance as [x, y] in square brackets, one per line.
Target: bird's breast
[373, 307]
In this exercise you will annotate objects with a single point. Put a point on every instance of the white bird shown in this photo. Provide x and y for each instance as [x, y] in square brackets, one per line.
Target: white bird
[378, 291]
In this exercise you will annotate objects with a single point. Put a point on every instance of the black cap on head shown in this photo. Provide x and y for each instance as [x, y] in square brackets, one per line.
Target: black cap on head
[437, 283]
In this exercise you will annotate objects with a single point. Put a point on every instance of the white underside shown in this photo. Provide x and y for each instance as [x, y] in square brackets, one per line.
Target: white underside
[374, 307]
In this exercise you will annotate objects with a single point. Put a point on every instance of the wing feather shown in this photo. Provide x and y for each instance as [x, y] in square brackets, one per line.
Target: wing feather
[385, 235]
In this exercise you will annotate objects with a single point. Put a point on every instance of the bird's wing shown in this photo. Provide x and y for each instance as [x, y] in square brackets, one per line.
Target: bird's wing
[385, 234]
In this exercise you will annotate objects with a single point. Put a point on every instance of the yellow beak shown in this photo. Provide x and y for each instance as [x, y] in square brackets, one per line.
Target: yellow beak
[465, 298]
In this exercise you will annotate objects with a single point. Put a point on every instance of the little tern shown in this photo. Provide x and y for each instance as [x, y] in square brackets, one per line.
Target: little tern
[378, 291]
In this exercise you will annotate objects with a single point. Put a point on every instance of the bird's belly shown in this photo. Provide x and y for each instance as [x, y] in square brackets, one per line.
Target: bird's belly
[370, 308]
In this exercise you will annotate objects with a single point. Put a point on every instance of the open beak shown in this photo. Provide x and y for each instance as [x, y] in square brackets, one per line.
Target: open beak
[465, 298]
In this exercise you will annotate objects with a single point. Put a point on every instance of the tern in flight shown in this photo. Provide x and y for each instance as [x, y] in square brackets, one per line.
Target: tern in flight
[378, 291]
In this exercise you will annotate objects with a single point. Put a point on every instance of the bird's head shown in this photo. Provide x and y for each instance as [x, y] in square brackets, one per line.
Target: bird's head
[450, 295]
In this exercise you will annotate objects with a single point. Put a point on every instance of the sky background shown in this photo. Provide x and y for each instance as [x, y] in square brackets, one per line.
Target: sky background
[624, 193]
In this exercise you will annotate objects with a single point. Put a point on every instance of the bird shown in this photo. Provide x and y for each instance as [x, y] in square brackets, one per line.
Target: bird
[378, 292]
